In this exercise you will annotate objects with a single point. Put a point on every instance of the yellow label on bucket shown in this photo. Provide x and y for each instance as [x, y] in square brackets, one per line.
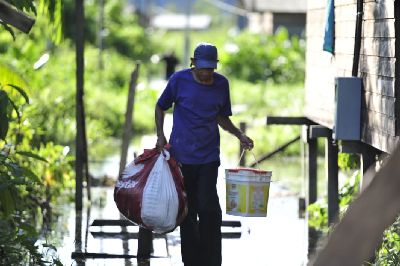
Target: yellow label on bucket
[258, 198]
[236, 198]
[247, 192]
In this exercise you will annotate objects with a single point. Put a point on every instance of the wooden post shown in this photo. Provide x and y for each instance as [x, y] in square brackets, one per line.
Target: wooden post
[368, 158]
[310, 137]
[100, 34]
[397, 62]
[78, 231]
[145, 243]
[312, 147]
[331, 154]
[333, 186]
[126, 138]
[312, 170]
[80, 113]
[14, 17]
[86, 162]
[242, 161]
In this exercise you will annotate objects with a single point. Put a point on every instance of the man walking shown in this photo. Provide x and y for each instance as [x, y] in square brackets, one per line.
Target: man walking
[201, 102]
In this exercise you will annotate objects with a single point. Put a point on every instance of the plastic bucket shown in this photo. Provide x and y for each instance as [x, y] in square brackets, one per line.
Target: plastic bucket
[247, 191]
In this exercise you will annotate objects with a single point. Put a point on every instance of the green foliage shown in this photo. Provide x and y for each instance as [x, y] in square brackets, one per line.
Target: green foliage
[8, 106]
[35, 170]
[18, 205]
[318, 215]
[124, 33]
[21, 189]
[389, 252]
[349, 191]
[251, 103]
[348, 161]
[318, 212]
[121, 30]
[49, 11]
[258, 57]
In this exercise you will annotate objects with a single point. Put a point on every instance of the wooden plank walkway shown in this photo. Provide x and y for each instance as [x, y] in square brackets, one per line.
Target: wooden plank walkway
[124, 235]
[262, 240]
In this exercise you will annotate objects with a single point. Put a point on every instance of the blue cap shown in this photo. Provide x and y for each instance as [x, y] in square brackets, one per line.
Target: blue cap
[205, 56]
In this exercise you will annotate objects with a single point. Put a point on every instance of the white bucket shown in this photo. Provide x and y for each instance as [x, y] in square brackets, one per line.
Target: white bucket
[247, 191]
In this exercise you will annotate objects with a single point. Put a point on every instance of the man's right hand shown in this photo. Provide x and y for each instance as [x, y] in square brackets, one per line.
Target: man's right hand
[161, 142]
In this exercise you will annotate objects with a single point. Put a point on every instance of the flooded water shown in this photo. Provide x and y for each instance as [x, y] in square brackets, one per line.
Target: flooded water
[281, 238]
[278, 239]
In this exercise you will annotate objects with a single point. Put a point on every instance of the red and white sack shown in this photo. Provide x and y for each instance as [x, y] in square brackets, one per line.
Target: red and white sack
[150, 192]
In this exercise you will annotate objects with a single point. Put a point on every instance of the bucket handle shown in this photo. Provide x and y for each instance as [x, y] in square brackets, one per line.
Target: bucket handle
[254, 156]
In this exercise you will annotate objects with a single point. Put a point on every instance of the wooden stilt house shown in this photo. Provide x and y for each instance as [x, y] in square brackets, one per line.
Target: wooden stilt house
[352, 86]
[377, 66]
[365, 59]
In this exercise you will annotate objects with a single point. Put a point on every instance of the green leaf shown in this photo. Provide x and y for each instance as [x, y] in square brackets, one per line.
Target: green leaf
[10, 75]
[28, 228]
[15, 169]
[4, 122]
[28, 173]
[32, 155]
[7, 202]
[15, 108]
[8, 28]
[21, 91]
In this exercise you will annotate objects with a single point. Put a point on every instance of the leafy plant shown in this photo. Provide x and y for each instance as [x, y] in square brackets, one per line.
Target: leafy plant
[21, 191]
[349, 191]
[389, 252]
[18, 235]
[258, 57]
[318, 212]
[318, 215]
[348, 161]
[49, 9]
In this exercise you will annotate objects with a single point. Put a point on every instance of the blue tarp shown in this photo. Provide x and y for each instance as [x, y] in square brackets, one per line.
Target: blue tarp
[329, 37]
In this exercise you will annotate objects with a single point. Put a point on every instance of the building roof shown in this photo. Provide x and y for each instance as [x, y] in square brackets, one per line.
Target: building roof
[179, 21]
[276, 6]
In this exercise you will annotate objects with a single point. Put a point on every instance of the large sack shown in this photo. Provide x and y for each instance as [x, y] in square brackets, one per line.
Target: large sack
[150, 192]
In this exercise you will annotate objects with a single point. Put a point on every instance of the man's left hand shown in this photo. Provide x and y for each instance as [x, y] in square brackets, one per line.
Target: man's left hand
[246, 142]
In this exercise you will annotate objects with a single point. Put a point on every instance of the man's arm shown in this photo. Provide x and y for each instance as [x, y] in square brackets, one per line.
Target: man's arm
[226, 123]
[159, 117]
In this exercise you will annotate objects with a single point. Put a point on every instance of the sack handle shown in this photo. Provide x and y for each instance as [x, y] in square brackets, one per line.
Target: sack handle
[165, 154]
[254, 156]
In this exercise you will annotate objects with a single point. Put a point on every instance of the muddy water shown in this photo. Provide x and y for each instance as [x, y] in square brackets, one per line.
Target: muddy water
[278, 239]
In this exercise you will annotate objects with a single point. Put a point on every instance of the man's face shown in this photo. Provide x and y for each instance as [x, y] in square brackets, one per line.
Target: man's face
[205, 74]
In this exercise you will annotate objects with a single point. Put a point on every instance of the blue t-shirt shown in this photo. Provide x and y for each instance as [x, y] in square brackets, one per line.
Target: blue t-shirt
[195, 135]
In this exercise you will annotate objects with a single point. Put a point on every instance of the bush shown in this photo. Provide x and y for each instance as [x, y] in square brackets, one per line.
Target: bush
[24, 172]
[389, 252]
[257, 57]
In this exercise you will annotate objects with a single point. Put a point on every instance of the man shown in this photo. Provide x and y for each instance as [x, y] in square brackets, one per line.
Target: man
[170, 63]
[201, 102]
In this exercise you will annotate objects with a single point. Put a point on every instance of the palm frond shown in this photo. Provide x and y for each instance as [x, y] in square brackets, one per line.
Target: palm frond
[52, 9]
[8, 75]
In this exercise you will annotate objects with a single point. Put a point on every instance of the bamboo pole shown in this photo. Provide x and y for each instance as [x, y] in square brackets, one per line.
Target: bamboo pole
[80, 114]
[126, 138]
